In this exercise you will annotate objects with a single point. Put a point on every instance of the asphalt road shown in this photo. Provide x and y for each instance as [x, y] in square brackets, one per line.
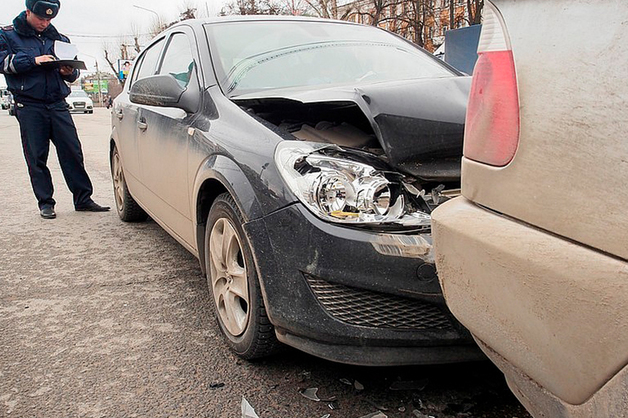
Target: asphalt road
[99, 318]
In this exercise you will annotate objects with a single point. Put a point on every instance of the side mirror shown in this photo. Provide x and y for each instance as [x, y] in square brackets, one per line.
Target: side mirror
[165, 91]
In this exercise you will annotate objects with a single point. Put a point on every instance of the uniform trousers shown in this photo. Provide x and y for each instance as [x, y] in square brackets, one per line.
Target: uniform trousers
[40, 124]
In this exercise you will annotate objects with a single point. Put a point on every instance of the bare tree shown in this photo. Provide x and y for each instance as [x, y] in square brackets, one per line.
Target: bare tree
[253, 7]
[452, 14]
[187, 10]
[329, 9]
[129, 46]
[414, 20]
[474, 11]
[120, 50]
[295, 7]
[375, 12]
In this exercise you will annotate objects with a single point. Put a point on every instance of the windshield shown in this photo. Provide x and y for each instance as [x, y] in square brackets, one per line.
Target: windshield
[255, 56]
[78, 93]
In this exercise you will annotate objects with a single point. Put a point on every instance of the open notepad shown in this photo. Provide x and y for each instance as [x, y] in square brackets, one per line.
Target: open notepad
[66, 55]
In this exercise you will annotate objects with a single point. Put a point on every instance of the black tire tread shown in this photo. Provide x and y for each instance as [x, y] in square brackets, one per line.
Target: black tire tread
[132, 212]
[265, 341]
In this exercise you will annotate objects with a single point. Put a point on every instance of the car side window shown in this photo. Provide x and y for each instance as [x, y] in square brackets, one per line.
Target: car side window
[178, 60]
[148, 65]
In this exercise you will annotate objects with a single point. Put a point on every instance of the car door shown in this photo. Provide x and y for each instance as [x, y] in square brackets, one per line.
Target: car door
[126, 116]
[163, 141]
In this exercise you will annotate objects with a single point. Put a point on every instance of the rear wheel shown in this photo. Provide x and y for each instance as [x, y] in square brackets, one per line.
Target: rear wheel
[233, 283]
[127, 207]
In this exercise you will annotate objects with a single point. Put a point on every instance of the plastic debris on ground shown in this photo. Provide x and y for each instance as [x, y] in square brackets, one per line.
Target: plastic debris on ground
[312, 394]
[326, 416]
[216, 385]
[419, 414]
[358, 386]
[377, 414]
[247, 409]
[346, 381]
[376, 405]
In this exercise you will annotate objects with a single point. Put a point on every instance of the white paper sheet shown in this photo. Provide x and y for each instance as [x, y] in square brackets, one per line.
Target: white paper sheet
[65, 51]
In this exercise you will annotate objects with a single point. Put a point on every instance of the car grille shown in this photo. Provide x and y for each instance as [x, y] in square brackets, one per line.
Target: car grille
[379, 310]
[79, 104]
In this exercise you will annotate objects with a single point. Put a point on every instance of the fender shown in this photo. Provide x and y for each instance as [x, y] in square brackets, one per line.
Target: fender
[216, 175]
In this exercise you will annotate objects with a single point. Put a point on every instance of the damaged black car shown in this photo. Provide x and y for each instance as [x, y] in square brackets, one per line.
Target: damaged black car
[299, 159]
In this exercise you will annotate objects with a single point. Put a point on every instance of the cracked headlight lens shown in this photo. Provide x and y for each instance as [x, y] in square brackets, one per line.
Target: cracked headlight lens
[343, 190]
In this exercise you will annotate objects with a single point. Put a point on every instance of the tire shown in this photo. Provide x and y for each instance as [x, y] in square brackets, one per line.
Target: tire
[233, 283]
[127, 207]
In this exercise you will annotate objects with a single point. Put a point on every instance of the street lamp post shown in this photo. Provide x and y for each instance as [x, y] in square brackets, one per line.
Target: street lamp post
[152, 11]
[99, 84]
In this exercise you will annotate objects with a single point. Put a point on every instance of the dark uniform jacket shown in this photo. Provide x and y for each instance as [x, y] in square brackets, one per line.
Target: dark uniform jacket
[31, 83]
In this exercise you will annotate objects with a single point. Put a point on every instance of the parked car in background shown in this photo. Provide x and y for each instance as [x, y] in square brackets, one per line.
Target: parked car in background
[79, 102]
[11, 107]
[4, 99]
[299, 159]
[533, 257]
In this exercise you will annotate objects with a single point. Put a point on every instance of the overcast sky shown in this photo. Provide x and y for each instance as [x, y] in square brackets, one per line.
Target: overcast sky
[90, 23]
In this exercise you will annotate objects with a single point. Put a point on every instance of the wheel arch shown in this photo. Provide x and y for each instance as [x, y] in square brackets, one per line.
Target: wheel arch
[113, 142]
[218, 175]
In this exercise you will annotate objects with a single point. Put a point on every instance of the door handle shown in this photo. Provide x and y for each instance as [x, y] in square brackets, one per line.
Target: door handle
[142, 124]
[119, 114]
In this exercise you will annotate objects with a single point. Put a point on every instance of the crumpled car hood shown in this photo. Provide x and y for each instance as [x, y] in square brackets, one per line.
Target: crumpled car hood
[419, 123]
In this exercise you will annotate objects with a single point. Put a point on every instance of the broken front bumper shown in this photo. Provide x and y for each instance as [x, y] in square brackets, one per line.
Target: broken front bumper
[352, 295]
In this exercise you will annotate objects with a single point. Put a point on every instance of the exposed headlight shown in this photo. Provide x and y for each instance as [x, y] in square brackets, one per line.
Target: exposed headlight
[343, 190]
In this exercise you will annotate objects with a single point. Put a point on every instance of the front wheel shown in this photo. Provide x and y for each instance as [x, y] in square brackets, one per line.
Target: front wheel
[233, 283]
[127, 207]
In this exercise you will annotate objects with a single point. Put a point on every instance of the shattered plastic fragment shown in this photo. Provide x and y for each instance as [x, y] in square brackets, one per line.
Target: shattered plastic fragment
[416, 246]
[376, 405]
[312, 394]
[216, 385]
[358, 385]
[346, 381]
[326, 416]
[247, 409]
[377, 414]
[418, 414]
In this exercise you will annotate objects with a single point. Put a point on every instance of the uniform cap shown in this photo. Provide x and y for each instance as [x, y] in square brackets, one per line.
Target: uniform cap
[44, 8]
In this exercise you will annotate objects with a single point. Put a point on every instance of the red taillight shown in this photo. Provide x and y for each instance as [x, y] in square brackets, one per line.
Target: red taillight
[492, 123]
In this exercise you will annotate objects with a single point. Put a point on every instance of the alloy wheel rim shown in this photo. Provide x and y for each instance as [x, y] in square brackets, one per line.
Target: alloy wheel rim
[229, 277]
[118, 179]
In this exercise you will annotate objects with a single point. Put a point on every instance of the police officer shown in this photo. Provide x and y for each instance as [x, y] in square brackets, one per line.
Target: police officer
[39, 91]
